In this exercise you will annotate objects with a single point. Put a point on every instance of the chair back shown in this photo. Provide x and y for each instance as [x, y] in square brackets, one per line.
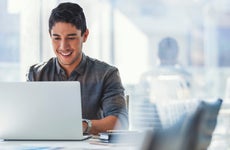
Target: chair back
[193, 131]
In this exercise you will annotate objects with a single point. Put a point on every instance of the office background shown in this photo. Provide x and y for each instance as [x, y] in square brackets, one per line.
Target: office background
[126, 34]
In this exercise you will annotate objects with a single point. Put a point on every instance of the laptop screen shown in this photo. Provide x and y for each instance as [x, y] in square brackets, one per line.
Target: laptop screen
[40, 111]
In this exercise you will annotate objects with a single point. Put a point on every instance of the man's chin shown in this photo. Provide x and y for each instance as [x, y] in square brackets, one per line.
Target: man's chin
[65, 63]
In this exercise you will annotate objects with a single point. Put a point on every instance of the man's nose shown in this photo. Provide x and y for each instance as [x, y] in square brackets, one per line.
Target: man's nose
[64, 45]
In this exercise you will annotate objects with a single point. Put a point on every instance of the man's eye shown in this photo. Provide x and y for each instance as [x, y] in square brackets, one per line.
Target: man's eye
[56, 39]
[71, 38]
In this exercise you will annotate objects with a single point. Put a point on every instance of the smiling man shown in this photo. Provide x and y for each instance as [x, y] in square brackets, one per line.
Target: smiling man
[67, 43]
[103, 103]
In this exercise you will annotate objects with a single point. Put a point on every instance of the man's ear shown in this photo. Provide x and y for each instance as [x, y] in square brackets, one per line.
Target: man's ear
[85, 35]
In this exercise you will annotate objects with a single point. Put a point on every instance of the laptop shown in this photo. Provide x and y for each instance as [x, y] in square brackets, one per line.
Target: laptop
[41, 111]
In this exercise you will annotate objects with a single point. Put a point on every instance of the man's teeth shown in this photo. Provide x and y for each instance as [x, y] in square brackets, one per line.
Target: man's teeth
[66, 54]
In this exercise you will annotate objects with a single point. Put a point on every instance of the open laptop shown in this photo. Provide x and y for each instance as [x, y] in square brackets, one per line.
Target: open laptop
[41, 111]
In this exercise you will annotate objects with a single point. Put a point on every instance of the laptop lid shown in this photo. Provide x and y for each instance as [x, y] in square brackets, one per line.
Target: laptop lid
[40, 111]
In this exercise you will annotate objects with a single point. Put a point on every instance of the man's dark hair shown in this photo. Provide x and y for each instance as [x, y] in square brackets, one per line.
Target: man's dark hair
[68, 13]
[168, 49]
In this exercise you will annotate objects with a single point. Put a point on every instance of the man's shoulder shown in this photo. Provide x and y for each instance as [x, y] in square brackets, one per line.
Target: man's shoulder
[98, 64]
[36, 71]
[42, 65]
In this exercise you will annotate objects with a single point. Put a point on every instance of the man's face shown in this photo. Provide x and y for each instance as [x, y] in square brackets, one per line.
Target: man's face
[67, 44]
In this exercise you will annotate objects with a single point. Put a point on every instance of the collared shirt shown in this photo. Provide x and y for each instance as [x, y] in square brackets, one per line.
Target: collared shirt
[102, 91]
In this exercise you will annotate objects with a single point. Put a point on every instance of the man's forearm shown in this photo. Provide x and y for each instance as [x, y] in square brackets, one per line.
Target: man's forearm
[102, 125]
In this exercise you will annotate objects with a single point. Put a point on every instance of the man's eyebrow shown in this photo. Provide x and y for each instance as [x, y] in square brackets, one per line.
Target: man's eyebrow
[55, 34]
[71, 34]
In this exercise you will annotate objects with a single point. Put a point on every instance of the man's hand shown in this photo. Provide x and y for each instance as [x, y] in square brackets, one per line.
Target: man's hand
[102, 125]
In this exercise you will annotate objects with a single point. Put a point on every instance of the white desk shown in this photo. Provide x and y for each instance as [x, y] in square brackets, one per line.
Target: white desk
[90, 144]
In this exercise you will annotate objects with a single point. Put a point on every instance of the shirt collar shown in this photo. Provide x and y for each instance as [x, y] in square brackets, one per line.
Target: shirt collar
[79, 69]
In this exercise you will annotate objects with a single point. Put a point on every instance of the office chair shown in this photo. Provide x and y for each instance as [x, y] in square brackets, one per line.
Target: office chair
[193, 131]
[200, 126]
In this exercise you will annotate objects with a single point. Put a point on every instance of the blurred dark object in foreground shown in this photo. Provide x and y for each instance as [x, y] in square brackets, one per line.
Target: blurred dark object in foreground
[192, 131]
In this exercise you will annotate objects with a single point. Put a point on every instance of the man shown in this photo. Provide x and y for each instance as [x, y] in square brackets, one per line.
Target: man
[103, 104]
[168, 51]
[166, 82]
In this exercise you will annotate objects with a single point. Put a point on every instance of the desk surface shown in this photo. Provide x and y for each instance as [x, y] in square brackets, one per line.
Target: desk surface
[90, 144]
[80, 145]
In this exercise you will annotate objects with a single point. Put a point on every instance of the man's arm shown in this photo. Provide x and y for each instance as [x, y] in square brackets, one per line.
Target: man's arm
[102, 125]
[112, 103]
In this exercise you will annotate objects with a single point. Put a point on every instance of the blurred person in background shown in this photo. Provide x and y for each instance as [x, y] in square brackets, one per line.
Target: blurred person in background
[168, 52]
[168, 80]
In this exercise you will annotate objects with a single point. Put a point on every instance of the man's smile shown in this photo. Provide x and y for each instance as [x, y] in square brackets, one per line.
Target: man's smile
[65, 53]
